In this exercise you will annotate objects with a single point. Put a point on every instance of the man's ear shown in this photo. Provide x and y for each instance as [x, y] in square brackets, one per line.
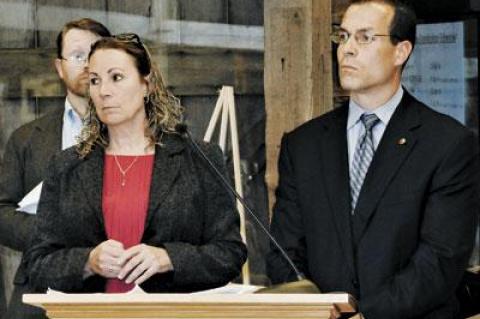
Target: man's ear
[58, 67]
[403, 50]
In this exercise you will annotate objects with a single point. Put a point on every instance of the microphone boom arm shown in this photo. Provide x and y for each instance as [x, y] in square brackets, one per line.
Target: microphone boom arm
[183, 131]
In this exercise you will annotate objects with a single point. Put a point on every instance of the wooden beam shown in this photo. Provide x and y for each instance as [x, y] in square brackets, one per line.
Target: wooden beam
[198, 71]
[208, 35]
[188, 71]
[322, 87]
[298, 70]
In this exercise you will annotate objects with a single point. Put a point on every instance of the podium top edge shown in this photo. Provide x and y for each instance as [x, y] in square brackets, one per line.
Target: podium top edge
[100, 298]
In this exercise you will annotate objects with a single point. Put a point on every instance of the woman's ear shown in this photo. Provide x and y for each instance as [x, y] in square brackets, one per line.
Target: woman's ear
[148, 82]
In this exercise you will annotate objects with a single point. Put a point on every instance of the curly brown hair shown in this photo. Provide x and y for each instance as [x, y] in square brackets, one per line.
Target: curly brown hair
[163, 109]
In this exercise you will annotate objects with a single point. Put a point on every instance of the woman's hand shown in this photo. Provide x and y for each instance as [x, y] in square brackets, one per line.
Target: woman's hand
[104, 258]
[141, 262]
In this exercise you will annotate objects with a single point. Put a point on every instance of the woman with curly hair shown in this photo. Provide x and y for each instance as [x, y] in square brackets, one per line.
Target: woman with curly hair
[132, 203]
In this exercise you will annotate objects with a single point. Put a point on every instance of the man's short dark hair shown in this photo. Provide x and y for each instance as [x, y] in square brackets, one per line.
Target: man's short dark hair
[85, 24]
[404, 22]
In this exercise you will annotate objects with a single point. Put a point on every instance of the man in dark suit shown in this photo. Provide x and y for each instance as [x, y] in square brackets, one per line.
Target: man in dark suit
[378, 197]
[30, 147]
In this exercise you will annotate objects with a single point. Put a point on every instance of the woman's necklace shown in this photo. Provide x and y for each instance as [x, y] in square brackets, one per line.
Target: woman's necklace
[124, 171]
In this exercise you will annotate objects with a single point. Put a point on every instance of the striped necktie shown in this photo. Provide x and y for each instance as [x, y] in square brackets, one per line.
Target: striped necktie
[362, 157]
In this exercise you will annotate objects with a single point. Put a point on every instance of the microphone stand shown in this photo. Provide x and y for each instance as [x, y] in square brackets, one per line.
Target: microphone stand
[302, 285]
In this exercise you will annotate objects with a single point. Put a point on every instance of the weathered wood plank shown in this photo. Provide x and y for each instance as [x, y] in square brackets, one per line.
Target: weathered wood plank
[203, 11]
[322, 84]
[209, 35]
[298, 84]
[187, 71]
[125, 16]
[131, 7]
[53, 14]
[245, 12]
[17, 24]
[286, 72]
[204, 71]
[32, 75]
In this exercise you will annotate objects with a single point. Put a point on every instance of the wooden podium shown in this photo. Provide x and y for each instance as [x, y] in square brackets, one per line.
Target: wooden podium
[274, 306]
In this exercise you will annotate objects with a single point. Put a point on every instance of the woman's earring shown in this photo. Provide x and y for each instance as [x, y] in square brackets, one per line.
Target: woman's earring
[146, 98]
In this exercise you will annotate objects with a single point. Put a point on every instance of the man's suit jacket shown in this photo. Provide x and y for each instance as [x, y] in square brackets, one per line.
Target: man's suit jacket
[190, 214]
[24, 166]
[404, 249]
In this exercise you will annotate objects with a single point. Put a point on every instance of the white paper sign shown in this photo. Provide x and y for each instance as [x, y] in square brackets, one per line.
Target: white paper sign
[435, 73]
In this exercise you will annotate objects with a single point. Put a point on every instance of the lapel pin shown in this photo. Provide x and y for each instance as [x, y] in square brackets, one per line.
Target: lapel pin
[402, 141]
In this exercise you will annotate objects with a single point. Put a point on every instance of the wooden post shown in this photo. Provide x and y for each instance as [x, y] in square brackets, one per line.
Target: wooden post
[298, 71]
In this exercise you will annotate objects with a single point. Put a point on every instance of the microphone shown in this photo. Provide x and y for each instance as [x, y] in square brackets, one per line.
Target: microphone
[302, 285]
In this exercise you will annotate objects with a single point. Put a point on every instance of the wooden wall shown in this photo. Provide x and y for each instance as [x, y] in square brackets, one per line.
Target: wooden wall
[298, 70]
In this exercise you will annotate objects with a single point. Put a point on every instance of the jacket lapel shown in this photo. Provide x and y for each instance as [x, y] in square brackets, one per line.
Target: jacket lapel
[334, 160]
[165, 170]
[396, 144]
